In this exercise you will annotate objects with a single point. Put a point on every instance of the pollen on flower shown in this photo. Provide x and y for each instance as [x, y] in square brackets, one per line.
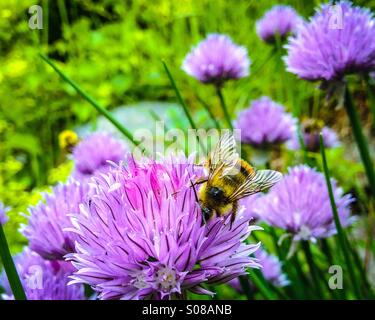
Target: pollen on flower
[167, 279]
[140, 281]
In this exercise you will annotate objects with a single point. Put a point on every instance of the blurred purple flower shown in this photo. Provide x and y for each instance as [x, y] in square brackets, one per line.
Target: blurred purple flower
[271, 269]
[43, 279]
[265, 123]
[279, 20]
[216, 60]
[92, 153]
[142, 236]
[50, 216]
[300, 205]
[3, 214]
[311, 139]
[338, 40]
[250, 205]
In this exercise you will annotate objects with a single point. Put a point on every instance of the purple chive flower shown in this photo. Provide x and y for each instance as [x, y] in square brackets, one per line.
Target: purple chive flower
[265, 123]
[142, 235]
[250, 205]
[280, 20]
[271, 270]
[47, 220]
[311, 138]
[338, 40]
[43, 279]
[300, 205]
[3, 214]
[92, 154]
[216, 60]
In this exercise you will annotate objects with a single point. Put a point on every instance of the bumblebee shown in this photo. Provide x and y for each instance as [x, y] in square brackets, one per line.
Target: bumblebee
[230, 179]
[68, 140]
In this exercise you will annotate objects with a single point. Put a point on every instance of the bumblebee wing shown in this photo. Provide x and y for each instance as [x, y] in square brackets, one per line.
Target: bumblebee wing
[261, 180]
[224, 156]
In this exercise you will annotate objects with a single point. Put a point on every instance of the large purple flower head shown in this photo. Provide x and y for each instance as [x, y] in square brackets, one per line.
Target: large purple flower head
[142, 235]
[47, 220]
[92, 154]
[3, 214]
[265, 123]
[279, 21]
[216, 60]
[300, 205]
[43, 279]
[310, 132]
[338, 40]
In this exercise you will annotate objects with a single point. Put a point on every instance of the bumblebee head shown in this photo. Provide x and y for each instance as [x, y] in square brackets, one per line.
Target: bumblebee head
[216, 193]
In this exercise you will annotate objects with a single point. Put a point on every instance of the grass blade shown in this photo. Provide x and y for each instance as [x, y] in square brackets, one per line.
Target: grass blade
[182, 103]
[91, 100]
[258, 280]
[340, 230]
[208, 109]
[244, 281]
[313, 268]
[371, 99]
[224, 107]
[361, 140]
[10, 268]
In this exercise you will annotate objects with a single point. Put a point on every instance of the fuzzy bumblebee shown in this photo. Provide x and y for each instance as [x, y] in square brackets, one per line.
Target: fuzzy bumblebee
[230, 179]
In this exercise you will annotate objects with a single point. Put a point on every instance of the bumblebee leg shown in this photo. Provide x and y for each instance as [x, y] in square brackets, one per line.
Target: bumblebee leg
[233, 214]
[199, 181]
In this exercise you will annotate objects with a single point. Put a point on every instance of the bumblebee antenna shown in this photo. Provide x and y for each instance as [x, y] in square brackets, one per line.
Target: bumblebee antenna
[195, 191]
[196, 195]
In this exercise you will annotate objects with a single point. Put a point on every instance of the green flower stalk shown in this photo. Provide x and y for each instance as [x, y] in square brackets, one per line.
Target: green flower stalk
[6, 258]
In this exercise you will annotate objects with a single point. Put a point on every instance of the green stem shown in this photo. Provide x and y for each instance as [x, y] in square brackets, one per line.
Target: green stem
[357, 261]
[301, 281]
[224, 107]
[63, 12]
[257, 68]
[340, 231]
[361, 140]
[371, 98]
[326, 250]
[276, 244]
[259, 282]
[280, 66]
[182, 103]
[313, 268]
[10, 268]
[90, 100]
[244, 281]
[45, 7]
[212, 116]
